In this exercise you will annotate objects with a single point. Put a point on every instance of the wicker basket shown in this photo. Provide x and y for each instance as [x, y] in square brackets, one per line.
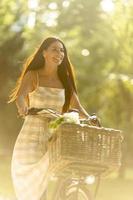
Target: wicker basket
[83, 150]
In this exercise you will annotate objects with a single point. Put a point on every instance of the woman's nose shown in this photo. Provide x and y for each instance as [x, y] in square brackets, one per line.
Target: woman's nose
[58, 51]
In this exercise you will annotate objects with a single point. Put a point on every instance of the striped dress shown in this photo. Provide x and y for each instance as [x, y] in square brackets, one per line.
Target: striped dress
[30, 160]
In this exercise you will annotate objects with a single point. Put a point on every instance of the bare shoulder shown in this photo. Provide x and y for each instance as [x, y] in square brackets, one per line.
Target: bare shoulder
[28, 81]
[30, 76]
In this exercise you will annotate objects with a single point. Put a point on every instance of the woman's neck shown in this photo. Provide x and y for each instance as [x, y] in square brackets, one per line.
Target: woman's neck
[49, 71]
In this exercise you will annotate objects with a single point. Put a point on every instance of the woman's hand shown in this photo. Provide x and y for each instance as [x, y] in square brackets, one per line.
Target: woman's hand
[23, 111]
[94, 120]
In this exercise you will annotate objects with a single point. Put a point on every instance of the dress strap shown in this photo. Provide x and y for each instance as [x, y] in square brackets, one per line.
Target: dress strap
[37, 79]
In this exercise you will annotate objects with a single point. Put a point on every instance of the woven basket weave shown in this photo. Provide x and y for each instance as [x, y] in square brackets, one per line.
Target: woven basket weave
[83, 150]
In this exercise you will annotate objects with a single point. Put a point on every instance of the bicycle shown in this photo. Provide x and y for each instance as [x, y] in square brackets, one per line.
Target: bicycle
[78, 151]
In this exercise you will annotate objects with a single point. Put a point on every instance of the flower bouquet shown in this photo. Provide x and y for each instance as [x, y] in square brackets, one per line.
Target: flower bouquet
[68, 117]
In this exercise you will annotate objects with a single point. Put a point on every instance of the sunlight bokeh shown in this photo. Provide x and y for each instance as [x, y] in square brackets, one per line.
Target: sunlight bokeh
[107, 5]
[32, 4]
[85, 52]
[52, 5]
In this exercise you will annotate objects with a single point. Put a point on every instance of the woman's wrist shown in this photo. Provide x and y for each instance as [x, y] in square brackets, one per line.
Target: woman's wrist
[22, 106]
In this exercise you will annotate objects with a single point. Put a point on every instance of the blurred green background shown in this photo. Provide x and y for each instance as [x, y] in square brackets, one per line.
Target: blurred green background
[99, 37]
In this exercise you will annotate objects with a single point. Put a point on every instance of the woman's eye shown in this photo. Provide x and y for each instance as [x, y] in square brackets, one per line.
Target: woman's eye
[61, 50]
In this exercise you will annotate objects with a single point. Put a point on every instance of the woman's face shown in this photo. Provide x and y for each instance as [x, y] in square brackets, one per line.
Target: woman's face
[54, 54]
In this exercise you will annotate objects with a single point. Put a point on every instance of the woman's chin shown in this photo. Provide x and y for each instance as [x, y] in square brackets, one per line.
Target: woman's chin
[56, 63]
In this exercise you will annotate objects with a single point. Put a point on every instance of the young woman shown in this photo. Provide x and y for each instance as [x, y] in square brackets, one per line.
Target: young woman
[47, 81]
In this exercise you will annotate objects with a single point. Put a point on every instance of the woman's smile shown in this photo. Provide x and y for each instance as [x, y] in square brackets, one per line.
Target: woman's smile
[57, 59]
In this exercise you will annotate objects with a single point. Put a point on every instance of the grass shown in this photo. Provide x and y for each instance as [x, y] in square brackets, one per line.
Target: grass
[111, 188]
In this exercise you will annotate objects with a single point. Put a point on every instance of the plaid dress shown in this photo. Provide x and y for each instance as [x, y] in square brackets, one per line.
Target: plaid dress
[30, 158]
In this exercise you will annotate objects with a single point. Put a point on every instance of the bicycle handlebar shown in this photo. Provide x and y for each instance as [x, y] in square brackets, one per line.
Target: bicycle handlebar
[92, 120]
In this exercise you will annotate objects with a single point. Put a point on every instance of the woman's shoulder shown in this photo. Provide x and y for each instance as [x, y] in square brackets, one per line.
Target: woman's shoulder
[31, 74]
[30, 78]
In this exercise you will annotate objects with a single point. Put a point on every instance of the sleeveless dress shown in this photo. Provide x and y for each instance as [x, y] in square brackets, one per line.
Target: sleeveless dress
[30, 160]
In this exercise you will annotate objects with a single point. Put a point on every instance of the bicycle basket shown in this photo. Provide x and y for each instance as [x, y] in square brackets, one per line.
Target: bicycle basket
[83, 150]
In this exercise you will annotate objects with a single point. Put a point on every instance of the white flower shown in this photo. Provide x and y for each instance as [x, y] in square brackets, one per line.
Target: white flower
[71, 117]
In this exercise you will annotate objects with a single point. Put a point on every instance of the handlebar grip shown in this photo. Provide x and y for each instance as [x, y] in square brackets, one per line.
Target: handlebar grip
[95, 121]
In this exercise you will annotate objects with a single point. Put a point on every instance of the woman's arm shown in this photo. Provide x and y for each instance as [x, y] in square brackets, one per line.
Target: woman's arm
[75, 104]
[22, 96]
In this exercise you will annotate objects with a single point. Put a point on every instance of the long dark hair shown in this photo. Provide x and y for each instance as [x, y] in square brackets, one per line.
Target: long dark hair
[65, 71]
